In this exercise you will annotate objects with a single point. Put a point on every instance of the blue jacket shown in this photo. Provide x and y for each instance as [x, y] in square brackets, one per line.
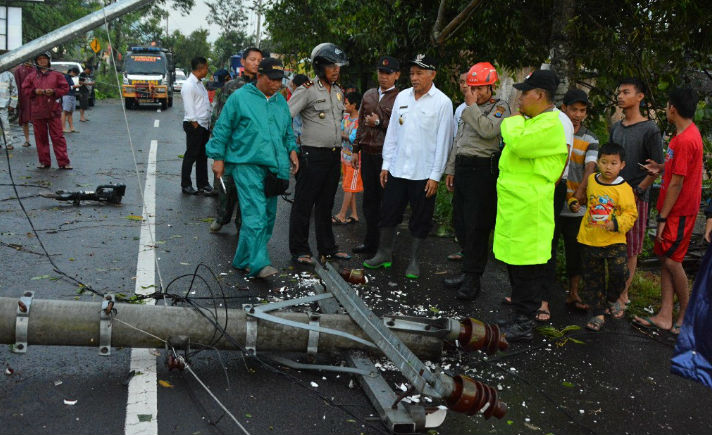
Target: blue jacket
[693, 351]
[254, 130]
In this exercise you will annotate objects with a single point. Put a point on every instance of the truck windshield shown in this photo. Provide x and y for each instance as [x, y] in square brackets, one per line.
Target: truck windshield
[145, 64]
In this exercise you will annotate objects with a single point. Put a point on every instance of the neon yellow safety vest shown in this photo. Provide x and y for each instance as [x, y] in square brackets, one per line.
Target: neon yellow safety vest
[532, 161]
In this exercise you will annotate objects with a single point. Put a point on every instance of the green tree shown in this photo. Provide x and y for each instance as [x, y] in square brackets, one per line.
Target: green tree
[227, 44]
[186, 48]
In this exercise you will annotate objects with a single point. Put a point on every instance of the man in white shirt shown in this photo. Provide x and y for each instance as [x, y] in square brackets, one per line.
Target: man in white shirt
[415, 152]
[196, 124]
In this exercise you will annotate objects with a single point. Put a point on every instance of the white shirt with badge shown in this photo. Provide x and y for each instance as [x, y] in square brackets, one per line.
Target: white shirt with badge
[419, 135]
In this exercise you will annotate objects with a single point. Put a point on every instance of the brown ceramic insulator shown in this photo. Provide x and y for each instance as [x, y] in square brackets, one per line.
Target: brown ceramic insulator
[353, 276]
[477, 335]
[471, 396]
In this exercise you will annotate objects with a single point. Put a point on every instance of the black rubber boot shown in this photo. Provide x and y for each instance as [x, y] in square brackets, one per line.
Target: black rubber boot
[470, 288]
[413, 269]
[384, 255]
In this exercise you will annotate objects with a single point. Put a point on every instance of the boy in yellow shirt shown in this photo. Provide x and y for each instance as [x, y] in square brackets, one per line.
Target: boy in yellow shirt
[610, 213]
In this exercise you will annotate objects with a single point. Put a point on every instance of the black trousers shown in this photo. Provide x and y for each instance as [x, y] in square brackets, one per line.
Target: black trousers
[554, 287]
[398, 193]
[529, 284]
[317, 181]
[474, 210]
[195, 140]
[372, 196]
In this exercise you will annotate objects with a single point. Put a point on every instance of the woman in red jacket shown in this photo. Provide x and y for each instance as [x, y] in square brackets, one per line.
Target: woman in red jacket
[44, 88]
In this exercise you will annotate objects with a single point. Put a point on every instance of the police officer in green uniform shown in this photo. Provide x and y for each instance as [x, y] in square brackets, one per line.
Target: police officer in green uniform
[320, 103]
[472, 175]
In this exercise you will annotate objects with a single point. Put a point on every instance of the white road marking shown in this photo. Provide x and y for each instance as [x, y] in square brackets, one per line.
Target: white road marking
[143, 389]
[156, 123]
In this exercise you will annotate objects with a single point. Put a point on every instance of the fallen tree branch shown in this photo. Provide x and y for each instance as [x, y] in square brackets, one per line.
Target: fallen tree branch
[441, 36]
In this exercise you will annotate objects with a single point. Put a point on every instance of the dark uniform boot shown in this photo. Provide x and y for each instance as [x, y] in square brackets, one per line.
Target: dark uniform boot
[454, 281]
[384, 255]
[519, 329]
[470, 288]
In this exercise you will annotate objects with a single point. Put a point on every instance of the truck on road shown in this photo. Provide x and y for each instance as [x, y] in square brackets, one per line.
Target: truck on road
[149, 73]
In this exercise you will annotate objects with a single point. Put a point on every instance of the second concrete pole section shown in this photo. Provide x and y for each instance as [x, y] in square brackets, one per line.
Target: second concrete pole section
[73, 323]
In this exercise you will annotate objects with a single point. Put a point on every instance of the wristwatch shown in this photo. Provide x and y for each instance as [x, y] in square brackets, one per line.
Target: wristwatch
[661, 219]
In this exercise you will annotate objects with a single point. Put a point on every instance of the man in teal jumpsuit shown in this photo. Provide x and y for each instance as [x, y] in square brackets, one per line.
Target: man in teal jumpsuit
[252, 139]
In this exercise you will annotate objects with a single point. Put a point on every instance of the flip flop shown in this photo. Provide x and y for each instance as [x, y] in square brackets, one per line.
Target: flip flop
[26, 144]
[616, 310]
[650, 323]
[351, 220]
[675, 330]
[66, 167]
[337, 221]
[304, 259]
[544, 313]
[10, 147]
[43, 166]
[457, 256]
[339, 256]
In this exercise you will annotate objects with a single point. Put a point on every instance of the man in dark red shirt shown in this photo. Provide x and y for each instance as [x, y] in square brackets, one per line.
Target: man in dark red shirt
[44, 88]
[374, 115]
[678, 204]
[23, 106]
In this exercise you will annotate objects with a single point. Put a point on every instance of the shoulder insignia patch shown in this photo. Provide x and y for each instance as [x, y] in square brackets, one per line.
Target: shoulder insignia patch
[500, 112]
[308, 83]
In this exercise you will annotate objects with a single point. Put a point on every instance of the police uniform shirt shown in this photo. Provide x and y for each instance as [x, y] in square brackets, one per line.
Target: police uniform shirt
[478, 133]
[419, 135]
[321, 111]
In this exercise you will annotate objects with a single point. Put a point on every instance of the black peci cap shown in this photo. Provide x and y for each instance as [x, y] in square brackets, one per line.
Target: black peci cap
[575, 96]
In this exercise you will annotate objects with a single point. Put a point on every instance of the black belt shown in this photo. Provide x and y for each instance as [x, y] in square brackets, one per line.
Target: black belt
[472, 159]
[321, 149]
[491, 162]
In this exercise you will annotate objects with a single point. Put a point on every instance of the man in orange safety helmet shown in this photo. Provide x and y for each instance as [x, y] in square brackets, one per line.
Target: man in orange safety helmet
[472, 170]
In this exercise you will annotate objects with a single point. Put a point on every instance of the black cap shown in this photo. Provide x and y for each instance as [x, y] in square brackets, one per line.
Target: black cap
[272, 67]
[388, 64]
[575, 96]
[539, 79]
[423, 61]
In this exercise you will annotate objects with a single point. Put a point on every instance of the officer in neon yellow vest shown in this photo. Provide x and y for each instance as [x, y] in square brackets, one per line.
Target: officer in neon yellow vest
[254, 142]
[532, 161]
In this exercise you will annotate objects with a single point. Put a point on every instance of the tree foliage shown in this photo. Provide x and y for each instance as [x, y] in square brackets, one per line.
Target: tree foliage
[186, 48]
[227, 44]
[226, 14]
[664, 42]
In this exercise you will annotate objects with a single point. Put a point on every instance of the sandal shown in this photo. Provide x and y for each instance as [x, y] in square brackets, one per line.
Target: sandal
[336, 221]
[675, 330]
[43, 166]
[26, 144]
[338, 256]
[351, 220]
[649, 324]
[10, 147]
[616, 310]
[457, 256]
[540, 313]
[595, 324]
[66, 167]
[305, 259]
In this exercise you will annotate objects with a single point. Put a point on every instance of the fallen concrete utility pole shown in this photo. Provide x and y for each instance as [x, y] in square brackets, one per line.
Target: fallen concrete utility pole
[69, 31]
[105, 324]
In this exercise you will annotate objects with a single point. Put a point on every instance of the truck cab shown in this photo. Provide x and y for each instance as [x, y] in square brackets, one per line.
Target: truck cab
[149, 73]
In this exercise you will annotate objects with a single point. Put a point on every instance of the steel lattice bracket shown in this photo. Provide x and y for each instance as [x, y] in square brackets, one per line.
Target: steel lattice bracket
[22, 322]
[105, 316]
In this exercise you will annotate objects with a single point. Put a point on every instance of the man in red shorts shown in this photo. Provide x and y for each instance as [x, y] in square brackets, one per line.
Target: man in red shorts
[678, 204]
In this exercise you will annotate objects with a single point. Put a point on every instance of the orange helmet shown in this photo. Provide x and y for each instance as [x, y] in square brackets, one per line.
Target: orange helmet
[482, 74]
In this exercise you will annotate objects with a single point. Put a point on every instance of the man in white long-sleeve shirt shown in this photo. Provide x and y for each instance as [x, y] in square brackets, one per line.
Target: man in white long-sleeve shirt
[196, 124]
[415, 152]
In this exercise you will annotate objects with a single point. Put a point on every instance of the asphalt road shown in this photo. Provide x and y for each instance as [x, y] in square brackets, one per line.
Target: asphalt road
[616, 381]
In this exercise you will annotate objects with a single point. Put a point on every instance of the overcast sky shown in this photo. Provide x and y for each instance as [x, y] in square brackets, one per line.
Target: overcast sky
[197, 19]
